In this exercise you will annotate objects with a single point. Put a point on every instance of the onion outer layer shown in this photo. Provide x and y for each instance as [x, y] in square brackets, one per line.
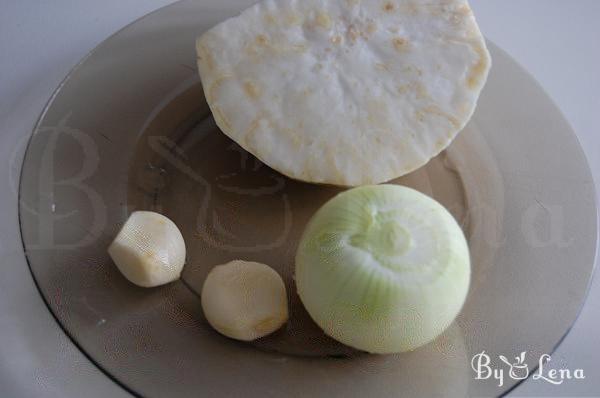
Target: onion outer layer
[384, 268]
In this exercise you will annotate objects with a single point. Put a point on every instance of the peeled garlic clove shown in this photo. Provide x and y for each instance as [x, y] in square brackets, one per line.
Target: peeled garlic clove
[384, 268]
[244, 300]
[149, 250]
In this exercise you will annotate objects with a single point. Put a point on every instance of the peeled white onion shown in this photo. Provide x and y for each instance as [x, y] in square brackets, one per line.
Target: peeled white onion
[149, 250]
[384, 269]
[244, 300]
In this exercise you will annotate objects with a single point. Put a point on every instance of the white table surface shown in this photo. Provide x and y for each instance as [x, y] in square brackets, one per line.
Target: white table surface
[558, 41]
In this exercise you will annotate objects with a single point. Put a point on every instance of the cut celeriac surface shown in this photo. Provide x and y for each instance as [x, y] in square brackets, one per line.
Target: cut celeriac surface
[383, 269]
[345, 92]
